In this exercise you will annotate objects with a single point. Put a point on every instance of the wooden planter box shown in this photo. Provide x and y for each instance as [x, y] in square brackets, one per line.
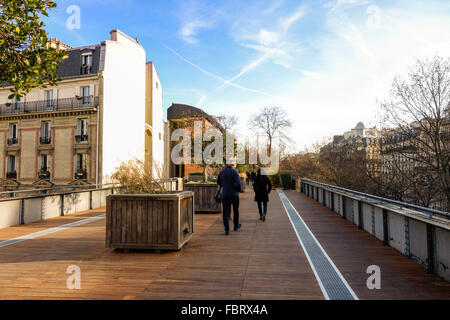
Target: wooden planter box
[204, 197]
[154, 221]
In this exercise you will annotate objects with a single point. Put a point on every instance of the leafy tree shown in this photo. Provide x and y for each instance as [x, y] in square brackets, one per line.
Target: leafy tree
[26, 62]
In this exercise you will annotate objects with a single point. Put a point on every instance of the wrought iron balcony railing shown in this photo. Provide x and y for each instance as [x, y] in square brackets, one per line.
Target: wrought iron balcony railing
[81, 138]
[49, 105]
[81, 174]
[12, 141]
[44, 174]
[11, 175]
[46, 140]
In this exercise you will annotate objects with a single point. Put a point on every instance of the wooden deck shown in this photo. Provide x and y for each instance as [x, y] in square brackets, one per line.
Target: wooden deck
[263, 260]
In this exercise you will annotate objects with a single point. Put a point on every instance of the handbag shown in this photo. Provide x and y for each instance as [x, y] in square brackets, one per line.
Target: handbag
[218, 196]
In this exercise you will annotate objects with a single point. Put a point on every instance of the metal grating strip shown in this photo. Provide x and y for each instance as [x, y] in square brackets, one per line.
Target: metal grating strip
[331, 281]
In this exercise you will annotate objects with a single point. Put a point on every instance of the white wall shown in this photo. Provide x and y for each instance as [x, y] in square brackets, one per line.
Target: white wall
[158, 124]
[124, 101]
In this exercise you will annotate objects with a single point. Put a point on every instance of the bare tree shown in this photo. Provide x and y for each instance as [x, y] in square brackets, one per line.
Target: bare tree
[418, 116]
[273, 122]
[228, 123]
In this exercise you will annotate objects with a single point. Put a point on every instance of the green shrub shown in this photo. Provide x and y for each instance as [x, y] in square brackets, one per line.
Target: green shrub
[286, 180]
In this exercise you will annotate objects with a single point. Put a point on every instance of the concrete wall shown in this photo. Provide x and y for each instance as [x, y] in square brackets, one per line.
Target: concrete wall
[32, 210]
[52, 207]
[47, 207]
[442, 238]
[9, 213]
[406, 234]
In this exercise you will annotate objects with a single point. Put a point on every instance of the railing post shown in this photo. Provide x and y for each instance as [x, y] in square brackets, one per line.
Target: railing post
[385, 228]
[62, 206]
[332, 201]
[22, 212]
[360, 216]
[430, 248]
[344, 209]
[324, 198]
[90, 200]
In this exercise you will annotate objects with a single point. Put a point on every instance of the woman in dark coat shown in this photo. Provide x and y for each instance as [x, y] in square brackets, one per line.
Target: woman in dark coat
[262, 187]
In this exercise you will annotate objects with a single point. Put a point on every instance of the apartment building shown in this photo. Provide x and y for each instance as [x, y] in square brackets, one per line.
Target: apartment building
[183, 116]
[362, 138]
[77, 132]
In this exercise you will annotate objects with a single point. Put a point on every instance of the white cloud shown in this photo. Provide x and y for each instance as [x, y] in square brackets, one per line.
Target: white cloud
[336, 4]
[189, 30]
[268, 38]
[270, 45]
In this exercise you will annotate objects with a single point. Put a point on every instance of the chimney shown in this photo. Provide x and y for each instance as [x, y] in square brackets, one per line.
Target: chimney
[57, 44]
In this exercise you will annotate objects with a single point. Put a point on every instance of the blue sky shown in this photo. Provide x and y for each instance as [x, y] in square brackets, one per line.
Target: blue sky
[326, 62]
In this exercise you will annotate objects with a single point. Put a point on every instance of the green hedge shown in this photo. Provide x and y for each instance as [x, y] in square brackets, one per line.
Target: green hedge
[286, 180]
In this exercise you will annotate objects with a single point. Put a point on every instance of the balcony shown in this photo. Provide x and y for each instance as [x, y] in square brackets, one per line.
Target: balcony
[44, 174]
[12, 141]
[81, 174]
[46, 140]
[11, 175]
[81, 138]
[49, 105]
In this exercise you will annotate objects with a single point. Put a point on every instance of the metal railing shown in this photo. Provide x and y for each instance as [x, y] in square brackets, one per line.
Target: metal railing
[81, 137]
[45, 140]
[55, 190]
[49, 105]
[12, 141]
[400, 204]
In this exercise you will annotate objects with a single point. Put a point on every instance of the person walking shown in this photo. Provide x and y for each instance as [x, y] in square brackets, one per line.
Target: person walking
[262, 187]
[230, 184]
[247, 177]
[253, 176]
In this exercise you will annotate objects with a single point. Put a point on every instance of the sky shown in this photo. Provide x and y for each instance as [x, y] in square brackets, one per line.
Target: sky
[327, 63]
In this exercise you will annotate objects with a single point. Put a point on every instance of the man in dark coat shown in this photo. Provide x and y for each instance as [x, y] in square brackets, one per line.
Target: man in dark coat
[253, 176]
[230, 182]
[262, 187]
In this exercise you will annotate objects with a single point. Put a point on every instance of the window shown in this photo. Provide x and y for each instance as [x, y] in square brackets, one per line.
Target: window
[45, 132]
[81, 162]
[82, 130]
[12, 134]
[48, 98]
[156, 85]
[44, 163]
[85, 93]
[15, 104]
[11, 164]
[86, 63]
[82, 127]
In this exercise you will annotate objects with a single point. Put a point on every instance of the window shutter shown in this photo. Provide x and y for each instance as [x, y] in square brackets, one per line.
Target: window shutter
[78, 126]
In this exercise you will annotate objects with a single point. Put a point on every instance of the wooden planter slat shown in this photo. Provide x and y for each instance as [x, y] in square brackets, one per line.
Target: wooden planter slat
[204, 197]
[149, 221]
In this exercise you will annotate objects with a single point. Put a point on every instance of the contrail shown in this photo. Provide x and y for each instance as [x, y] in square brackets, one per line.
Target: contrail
[209, 74]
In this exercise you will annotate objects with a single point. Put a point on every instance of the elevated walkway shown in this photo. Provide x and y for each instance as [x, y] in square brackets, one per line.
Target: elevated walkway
[263, 260]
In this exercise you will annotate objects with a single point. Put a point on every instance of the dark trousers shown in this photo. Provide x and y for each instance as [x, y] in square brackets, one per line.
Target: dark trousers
[226, 204]
[262, 204]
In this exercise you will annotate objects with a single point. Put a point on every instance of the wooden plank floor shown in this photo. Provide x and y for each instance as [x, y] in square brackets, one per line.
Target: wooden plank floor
[353, 250]
[263, 260]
